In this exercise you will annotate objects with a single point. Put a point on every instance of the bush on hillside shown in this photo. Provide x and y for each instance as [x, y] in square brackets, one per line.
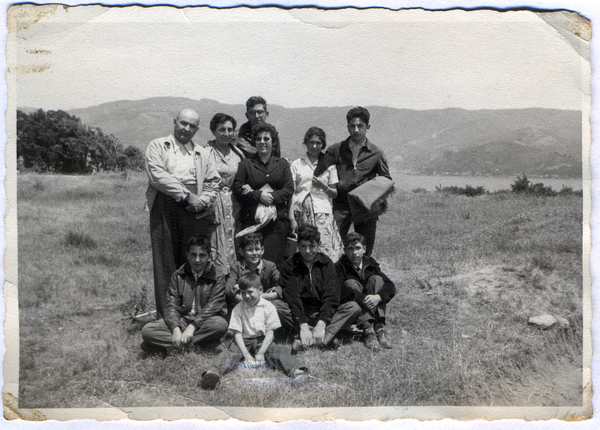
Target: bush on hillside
[468, 190]
[522, 185]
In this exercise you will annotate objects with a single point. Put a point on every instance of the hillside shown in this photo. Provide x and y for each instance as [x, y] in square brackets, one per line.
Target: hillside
[414, 141]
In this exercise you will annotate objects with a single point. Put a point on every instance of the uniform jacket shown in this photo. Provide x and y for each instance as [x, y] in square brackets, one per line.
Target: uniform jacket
[209, 292]
[307, 292]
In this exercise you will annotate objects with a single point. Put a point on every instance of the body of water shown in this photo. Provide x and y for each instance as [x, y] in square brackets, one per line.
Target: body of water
[411, 182]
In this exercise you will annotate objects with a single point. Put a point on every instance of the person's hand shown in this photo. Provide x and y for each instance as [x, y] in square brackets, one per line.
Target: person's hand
[320, 183]
[266, 198]
[260, 358]
[188, 333]
[246, 189]
[195, 204]
[238, 297]
[176, 337]
[306, 336]
[293, 227]
[249, 359]
[269, 295]
[318, 333]
[372, 301]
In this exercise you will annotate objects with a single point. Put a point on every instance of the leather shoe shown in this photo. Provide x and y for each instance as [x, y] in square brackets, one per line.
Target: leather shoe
[383, 340]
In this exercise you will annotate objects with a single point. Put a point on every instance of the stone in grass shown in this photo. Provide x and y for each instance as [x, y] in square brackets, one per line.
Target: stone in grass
[543, 321]
[562, 322]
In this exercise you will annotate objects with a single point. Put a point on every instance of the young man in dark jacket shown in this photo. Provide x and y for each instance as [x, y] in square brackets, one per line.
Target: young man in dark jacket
[365, 283]
[312, 290]
[195, 302]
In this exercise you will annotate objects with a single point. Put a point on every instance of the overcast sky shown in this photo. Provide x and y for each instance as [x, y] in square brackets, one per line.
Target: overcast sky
[420, 60]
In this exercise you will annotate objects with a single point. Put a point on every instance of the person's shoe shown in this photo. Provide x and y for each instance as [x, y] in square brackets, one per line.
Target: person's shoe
[209, 380]
[371, 341]
[383, 340]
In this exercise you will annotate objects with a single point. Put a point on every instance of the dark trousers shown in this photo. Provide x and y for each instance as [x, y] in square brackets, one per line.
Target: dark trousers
[275, 235]
[373, 286]
[171, 225]
[344, 317]
[277, 356]
[368, 228]
[285, 314]
[156, 333]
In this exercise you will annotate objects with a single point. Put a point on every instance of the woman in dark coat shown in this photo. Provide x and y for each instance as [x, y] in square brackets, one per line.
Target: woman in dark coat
[255, 172]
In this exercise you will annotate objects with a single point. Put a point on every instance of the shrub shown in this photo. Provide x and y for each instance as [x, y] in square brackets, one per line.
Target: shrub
[468, 190]
[80, 240]
[522, 185]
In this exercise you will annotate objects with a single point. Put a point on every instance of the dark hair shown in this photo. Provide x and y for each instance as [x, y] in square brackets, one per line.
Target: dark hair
[221, 118]
[315, 131]
[250, 239]
[265, 126]
[198, 240]
[358, 112]
[309, 233]
[250, 280]
[352, 238]
[255, 100]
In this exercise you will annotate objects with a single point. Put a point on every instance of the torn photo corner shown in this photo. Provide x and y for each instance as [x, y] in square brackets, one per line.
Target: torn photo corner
[482, 117]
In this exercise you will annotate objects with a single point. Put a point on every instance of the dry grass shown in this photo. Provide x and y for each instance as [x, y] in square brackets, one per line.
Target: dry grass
[469, 270]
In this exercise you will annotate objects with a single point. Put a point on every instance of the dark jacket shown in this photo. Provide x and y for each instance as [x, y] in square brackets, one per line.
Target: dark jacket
[269, 278]
[371, 162]
[308, 293]
[253, 172]
[209, 291]
[346, 270]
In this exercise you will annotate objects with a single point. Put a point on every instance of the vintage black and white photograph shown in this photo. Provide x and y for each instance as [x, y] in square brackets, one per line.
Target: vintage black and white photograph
[256, 212]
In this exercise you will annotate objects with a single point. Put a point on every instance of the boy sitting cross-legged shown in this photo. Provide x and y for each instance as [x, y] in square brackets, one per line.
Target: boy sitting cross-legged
[251, 250]
[195, 302]
[253, 322]
[365, 284]
[311, 288]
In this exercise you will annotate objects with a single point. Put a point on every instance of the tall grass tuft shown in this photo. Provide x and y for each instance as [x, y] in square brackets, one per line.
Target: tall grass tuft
[79, 240]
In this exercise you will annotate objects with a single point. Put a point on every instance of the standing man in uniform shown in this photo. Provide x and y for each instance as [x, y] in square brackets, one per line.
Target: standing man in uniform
[182, 185]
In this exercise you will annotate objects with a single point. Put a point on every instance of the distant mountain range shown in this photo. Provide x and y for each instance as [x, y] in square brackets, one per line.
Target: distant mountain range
[535, 141]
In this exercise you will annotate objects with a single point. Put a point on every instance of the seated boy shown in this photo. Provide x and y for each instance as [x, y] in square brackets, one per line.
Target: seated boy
[365, 284]
[312, 290]
[251, 250]
[195, 302]
[253, 322]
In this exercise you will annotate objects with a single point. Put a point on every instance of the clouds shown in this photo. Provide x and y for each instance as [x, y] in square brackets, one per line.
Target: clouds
[416, 59]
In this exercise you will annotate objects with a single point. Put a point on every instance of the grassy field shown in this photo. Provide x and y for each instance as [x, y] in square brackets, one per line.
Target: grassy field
[470, 271]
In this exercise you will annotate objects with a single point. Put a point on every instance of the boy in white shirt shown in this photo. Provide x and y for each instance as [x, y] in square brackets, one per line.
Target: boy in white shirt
[252, 323]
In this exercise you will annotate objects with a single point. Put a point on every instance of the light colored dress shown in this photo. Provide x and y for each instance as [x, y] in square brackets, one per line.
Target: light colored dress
[226, 205]
[312, 206]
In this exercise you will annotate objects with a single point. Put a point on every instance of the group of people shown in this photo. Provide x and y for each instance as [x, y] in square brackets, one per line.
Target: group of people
[214, 273]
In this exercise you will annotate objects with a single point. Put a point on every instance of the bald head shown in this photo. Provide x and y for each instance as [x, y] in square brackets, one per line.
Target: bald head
[186, 125]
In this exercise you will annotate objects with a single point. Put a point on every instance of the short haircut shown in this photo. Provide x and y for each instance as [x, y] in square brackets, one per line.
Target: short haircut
[255, 100]
[315, 131]
[198, 240]
[352, 238]
[309, 233]
[265, 126]
[221, 118]
[251, 239]
[250, 280]
[358, 112]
